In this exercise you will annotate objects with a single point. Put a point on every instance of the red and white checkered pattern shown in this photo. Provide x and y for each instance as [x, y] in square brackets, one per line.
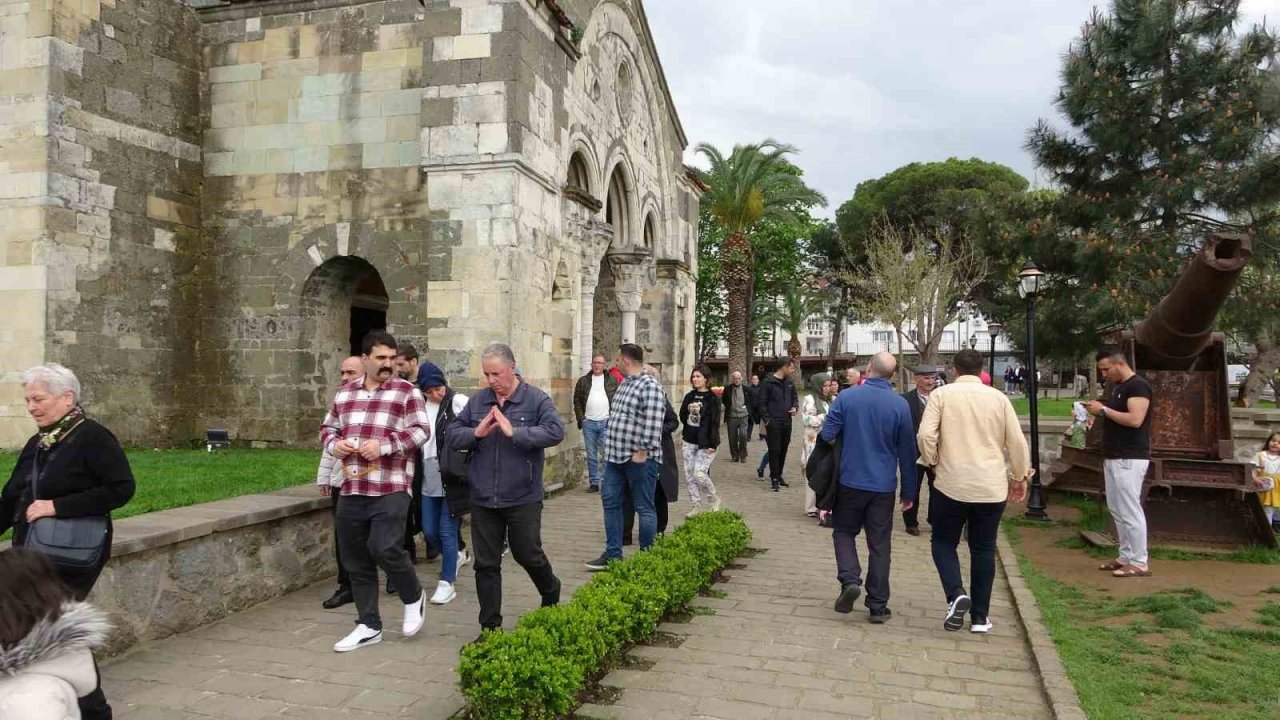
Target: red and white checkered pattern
[395, 414]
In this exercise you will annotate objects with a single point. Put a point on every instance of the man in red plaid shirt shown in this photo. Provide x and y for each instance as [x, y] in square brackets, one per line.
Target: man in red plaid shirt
[375, 428]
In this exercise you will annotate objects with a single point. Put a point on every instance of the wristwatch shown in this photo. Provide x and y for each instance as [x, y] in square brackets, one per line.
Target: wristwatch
[1102, 411]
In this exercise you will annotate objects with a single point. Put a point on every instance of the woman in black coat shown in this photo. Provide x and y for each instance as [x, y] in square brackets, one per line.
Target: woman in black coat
[80, 471]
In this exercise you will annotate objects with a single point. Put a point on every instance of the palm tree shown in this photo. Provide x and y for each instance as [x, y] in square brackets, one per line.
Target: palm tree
[754, 182]
[797, 308]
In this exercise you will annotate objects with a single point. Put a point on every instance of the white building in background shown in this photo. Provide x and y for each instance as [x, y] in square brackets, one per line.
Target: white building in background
[864, 339]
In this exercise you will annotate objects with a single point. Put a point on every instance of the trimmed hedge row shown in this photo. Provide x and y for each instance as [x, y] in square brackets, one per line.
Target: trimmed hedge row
[537, 669]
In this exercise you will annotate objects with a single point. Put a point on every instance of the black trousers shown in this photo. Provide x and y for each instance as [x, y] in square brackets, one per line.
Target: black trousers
[521, 527]
[778, 439]
[872, 513]
[983, 519]
[93, 706]
[659, 506]
[344, 582]
[371, 535]
[737, 427]
[911, 518]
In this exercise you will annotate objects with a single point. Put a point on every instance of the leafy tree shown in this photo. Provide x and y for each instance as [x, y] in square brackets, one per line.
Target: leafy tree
[792, 312]
[959, 201]
[710, 313]
[919, 292]
[751, 184]
[1174, 120]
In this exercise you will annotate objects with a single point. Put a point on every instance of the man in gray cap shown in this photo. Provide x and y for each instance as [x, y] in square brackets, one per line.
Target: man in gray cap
[918, 399]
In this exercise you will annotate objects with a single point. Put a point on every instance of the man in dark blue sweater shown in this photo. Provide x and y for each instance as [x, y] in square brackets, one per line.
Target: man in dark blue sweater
[878, 445]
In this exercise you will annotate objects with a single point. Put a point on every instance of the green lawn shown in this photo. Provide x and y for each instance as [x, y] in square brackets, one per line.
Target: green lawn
[1150, 657]
[177, 478]
[1048, 408]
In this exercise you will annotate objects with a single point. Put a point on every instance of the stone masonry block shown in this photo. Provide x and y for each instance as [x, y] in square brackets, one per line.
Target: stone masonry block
[493, 139]
[311, 159]
[480, 20]
[482, 109]
[122, 102]
[323, 108]
[235, 73]
[402, 102]
[229, 115]
[403, 127]
[468, 47]
[454, 140]
[438, 111]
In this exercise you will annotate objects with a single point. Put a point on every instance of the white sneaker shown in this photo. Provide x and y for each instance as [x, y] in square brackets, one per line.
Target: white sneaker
[363, 635]
[415, 616]
[715, 504]
[697, 510]
[444, 593]
[981, 628]
[464, 557]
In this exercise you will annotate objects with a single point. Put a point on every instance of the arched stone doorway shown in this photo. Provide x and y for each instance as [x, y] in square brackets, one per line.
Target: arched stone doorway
[342, 300]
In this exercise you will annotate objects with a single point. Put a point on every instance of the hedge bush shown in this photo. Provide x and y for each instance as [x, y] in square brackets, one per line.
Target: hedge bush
[537, 669]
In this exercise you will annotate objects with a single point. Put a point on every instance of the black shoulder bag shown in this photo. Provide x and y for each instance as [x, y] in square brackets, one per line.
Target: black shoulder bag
[78, 542]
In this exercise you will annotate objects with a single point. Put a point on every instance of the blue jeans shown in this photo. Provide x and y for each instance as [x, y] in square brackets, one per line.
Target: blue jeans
[441, 530]
[764, 462]
[593, 433]
[636, 480]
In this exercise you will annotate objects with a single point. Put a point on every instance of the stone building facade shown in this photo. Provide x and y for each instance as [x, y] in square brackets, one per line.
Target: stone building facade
[204, 205]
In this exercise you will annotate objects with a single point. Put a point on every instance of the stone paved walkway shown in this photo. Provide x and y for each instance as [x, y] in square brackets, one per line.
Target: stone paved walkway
[773, 648]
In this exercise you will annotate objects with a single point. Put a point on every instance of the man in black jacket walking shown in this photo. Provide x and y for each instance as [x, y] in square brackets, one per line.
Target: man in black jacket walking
[918, 400]
[778, 405]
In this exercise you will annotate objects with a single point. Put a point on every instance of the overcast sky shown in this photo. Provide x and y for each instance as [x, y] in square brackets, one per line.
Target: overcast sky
[865, 86]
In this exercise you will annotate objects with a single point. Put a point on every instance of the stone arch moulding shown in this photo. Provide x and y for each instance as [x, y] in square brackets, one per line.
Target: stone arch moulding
[653, 235]
[621, 209]
[582, 179]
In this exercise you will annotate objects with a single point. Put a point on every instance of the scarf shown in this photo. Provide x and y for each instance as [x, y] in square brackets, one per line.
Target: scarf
[51, 435]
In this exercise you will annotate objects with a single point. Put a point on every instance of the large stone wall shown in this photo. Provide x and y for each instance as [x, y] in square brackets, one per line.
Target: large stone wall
[200, 194]
[99, 195]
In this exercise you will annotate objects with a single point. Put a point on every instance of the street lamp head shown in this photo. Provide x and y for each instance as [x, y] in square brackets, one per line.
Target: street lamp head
[973, 342]
[994, 327]
[1030, 280]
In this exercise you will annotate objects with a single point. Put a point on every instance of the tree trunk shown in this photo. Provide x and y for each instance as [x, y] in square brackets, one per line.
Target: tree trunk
[736, 264]
[1260, 374]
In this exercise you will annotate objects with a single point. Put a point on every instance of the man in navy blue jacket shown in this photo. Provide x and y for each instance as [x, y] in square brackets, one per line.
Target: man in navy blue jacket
[507, 427]
[878, 445]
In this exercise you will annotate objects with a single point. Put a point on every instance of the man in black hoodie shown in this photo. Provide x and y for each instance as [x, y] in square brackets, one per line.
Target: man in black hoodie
[778, 405]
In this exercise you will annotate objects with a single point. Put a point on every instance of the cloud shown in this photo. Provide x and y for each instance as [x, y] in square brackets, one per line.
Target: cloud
[866, 86]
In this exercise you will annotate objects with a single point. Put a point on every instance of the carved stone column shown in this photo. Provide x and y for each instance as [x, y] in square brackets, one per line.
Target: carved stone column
[629, 271]
[598, 237]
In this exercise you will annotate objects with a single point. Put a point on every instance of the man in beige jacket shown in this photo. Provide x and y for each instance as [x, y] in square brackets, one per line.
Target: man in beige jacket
[968, 433]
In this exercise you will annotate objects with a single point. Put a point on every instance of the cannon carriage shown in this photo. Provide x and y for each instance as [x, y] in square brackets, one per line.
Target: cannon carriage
[1195, 492]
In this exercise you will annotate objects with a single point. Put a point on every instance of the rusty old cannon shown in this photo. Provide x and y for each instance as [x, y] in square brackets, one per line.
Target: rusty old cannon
[1195, 491]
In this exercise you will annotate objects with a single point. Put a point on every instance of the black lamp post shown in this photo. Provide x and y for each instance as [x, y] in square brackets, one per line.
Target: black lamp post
[993, 329]
[1029, 285]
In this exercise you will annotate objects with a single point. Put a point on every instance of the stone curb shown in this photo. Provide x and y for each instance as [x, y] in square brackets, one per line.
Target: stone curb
[1053, 675]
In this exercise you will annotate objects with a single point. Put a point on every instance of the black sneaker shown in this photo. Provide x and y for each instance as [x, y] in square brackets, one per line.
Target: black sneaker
[783, 483]
[759, 474]
[774, 487]
[593, 488]
[600, 563]
[881, 616]
[956, 612]
[848, 595]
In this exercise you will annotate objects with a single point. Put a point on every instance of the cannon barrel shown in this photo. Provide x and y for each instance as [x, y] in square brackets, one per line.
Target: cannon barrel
[1180, 327]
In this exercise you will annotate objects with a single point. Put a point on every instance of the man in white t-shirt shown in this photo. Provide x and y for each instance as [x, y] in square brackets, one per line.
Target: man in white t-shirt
[592, 398]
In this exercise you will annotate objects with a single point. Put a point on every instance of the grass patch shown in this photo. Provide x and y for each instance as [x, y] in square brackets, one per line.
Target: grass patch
[1049, 408]
[178, 478]
[1273, 590]
[1269, 614]
[1163, 663]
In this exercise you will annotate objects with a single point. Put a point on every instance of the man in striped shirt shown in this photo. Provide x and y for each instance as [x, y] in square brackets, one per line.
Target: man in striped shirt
[375, 428]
